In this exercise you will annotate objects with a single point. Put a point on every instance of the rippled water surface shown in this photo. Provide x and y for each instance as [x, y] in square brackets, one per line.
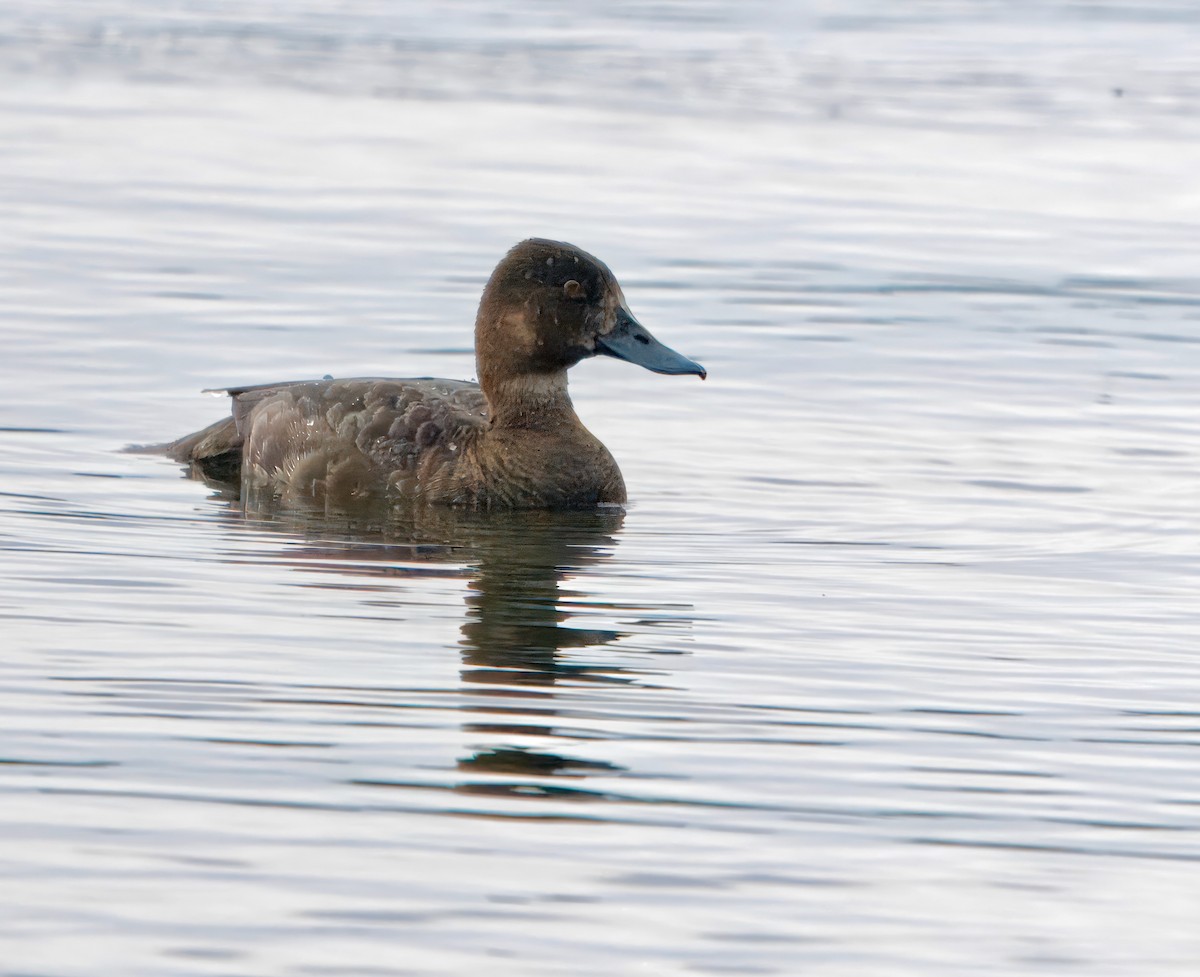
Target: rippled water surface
[891, 666]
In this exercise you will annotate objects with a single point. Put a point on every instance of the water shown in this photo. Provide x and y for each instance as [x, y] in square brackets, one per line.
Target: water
[889, 668]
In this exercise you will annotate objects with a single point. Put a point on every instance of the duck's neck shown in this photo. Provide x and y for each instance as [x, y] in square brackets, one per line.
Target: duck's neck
[530, 402]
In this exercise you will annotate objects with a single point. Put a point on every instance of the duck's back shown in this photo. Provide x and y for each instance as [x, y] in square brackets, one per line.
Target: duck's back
[342, 441]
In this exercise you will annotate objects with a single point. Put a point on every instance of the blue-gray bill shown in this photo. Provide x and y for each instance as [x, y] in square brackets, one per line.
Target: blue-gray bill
[632, 342]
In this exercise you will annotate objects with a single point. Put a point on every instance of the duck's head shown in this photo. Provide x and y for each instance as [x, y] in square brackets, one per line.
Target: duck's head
[549, 305]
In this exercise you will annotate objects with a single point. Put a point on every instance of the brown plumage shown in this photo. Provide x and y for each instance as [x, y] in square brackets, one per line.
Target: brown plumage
[512, 441]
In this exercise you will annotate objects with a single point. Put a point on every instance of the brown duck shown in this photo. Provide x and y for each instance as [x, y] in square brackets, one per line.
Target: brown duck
[511, 441]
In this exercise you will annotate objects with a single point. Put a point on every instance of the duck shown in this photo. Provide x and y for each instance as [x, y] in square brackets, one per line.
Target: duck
[511, 441]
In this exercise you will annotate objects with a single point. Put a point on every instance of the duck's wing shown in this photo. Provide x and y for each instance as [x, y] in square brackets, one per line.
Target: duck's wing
[305, 437]
[347, 439]
[224, 437]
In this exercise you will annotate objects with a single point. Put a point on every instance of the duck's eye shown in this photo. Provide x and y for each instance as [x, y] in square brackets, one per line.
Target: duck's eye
[573, 289]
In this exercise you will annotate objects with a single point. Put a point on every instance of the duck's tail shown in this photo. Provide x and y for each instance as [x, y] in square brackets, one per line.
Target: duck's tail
[214, 452]
[211, 442]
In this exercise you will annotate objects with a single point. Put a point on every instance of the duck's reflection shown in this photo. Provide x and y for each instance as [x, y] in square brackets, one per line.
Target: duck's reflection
[518, 625]
[517, 620]
[525, 605]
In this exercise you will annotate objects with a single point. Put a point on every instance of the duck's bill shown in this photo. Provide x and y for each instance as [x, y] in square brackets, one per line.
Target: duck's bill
[632, 342]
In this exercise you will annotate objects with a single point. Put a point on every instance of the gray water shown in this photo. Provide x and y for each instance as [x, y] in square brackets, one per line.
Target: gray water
[891, 666]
